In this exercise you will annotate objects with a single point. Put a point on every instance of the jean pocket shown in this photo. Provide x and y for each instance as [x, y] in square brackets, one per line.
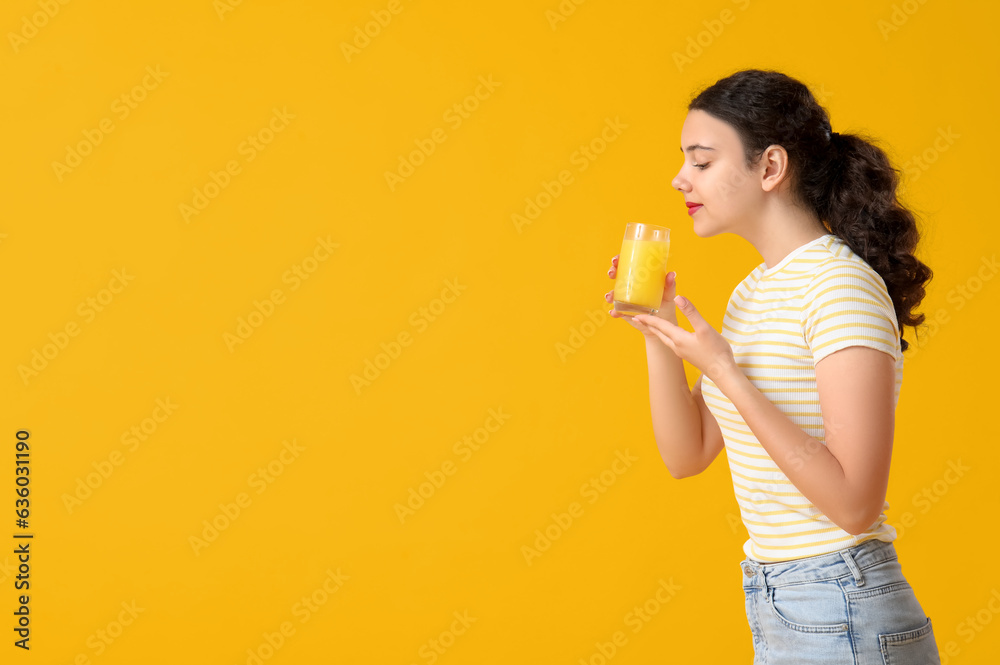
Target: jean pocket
[816, 607]
[910, 647]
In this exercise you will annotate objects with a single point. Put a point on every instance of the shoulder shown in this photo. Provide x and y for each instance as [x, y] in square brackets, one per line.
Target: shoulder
[845, 291]
[837, 276]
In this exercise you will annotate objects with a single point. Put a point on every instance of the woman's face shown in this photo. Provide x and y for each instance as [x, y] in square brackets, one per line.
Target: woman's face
[714, 174]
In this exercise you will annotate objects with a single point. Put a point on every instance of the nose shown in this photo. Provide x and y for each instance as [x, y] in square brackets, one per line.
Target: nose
[680, 184]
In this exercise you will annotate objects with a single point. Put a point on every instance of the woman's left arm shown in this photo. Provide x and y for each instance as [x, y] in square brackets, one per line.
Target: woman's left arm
[846, 479]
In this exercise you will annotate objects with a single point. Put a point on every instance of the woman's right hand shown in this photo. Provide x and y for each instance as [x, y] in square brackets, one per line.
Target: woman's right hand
[667, 310]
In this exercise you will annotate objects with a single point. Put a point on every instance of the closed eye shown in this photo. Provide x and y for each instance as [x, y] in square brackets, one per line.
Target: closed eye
[701, 166]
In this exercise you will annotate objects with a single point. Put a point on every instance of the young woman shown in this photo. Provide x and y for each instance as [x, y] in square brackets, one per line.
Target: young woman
[802, 383]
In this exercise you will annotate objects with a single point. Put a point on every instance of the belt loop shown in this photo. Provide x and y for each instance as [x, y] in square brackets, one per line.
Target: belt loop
[858, 577]
[750, 569]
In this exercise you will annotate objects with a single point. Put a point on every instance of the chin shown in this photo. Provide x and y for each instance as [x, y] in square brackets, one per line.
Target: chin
[706, 228]
[702, 231]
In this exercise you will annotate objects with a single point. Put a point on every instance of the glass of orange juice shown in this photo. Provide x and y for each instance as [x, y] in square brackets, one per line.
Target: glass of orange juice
[642, 269]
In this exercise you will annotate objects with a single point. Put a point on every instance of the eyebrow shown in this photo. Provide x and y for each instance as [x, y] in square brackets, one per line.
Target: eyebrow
[696, 146]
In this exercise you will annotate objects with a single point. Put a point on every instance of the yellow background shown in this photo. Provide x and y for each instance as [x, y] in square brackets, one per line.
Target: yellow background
[523, 292]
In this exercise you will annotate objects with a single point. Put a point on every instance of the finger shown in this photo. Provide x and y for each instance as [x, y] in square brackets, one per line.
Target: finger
[690, 312]
[650, 321]
[655, 323]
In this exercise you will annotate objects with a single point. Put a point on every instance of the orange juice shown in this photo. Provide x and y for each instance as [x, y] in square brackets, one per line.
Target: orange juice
[642, 269]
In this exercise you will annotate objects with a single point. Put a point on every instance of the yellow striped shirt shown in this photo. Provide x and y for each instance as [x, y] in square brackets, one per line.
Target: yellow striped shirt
[781, 321]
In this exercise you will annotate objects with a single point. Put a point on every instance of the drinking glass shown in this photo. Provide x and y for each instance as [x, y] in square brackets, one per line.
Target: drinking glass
[642, 269]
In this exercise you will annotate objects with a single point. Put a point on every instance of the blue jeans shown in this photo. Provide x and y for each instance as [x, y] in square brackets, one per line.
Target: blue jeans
[852, 607]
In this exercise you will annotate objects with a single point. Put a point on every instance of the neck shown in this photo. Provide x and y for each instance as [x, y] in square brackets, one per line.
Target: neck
[782, 230]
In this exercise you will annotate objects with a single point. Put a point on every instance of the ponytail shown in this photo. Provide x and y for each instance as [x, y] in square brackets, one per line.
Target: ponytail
[861, 208]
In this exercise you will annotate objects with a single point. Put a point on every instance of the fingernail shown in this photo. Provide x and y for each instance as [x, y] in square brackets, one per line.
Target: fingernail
[682, 301]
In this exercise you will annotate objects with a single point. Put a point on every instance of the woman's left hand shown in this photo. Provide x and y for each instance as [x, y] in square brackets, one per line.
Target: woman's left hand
[704, 348]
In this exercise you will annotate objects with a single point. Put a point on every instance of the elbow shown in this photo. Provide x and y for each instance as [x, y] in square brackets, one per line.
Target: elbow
[854, 530]
[682, 464]
[859, 522]
[678, 472]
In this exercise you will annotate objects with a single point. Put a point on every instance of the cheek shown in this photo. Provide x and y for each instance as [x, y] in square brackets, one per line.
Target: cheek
[730, 186]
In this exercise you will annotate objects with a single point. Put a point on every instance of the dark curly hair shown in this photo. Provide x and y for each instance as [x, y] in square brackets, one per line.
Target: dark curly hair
[846, 179]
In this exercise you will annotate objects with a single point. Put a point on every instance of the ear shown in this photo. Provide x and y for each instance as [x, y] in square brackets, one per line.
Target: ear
[775, 166]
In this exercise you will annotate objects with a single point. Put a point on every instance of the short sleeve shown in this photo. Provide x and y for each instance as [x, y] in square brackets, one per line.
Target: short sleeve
[847, 304]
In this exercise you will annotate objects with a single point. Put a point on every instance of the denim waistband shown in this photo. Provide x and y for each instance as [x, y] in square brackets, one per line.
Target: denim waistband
[847, 561]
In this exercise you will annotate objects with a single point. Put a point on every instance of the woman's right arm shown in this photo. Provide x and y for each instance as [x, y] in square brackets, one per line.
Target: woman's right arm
[686, 433]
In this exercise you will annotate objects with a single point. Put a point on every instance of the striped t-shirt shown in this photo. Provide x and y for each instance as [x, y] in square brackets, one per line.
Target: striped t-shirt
[780, 321]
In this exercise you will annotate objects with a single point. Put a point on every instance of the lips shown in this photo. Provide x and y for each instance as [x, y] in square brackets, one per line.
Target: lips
[693, 207]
